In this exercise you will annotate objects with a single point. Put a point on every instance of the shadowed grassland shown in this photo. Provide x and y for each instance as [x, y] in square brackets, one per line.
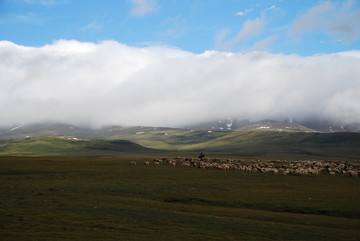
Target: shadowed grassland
[79, 198]
[276, 144]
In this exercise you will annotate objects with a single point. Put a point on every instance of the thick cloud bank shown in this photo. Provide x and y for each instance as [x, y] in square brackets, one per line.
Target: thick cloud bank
[111, 83]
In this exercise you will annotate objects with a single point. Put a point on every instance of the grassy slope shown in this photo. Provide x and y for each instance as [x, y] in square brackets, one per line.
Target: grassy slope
[62, 145]
[72, 198]
[256, 143]
[287, 144]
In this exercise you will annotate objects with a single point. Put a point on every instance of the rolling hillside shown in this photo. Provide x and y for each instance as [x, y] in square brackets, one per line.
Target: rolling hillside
[260, 143]
[67, 146]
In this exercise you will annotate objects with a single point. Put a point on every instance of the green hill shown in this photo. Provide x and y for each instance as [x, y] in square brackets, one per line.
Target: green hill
[67, 146]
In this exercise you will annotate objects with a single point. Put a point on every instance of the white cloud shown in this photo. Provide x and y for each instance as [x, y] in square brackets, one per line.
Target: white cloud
[243, 13]
[176, 26]
[264, 45]
[330, 18]
[26, 18]
[249, 29]
[220, 42]
[312, 18]
[143, 7]
[240, 13]
[272, 7]
[93, 26]
[112, 83]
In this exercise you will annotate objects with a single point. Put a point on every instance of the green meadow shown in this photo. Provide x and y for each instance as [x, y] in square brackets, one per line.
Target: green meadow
[104, 198]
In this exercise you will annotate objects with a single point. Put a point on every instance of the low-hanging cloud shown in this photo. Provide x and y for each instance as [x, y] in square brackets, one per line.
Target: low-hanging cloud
[111, 83]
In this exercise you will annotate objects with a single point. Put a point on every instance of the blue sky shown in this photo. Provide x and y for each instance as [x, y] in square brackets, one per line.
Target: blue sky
[178, 62]
[303, 27]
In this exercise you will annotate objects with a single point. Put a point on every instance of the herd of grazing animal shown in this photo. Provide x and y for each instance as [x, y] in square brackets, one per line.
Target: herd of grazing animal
[280, 167]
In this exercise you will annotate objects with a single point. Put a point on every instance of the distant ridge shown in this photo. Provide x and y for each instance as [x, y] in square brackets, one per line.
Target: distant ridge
[262, 143]
[118, 132]
[288, 125]
[68, 146]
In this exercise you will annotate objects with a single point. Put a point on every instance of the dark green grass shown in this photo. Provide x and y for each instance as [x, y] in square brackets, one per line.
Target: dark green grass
[79, 198]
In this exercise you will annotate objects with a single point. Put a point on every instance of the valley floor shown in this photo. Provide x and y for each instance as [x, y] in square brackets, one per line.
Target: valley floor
[105, 198]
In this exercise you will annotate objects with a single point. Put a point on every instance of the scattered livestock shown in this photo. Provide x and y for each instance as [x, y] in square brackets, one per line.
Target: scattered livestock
[279, 167]
[132, 163]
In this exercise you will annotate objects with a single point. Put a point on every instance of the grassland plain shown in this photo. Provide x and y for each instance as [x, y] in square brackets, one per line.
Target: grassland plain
[104, 198]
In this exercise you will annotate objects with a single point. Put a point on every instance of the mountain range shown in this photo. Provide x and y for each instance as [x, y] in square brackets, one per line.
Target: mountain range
[225, 125]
